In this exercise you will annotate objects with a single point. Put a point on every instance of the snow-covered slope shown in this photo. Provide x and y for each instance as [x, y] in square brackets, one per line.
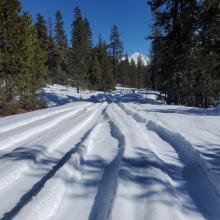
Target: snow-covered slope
[135, 56]
[118, 156]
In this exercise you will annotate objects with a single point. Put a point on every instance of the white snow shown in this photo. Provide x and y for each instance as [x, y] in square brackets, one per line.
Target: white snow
[122, 155]
[135, 56]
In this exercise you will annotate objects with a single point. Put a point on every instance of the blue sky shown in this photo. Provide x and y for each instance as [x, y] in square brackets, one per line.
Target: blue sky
[133, 17]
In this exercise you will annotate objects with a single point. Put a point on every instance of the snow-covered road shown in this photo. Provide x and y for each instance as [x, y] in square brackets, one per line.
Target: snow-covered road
[116, 156]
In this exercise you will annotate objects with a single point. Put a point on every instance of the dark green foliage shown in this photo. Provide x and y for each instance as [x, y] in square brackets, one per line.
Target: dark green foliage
[133, 74]
[60, 36]
[140, 73]
[9, 45]
[51, 61]
[42, 33]
[22, 60]
[60, 51]
[185, 50]
[116, 50]
[104, 59]
[95, 73]
[123, 77]
[81, 50]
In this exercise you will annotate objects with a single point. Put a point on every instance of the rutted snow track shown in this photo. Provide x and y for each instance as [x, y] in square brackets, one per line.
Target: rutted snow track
[105, 161]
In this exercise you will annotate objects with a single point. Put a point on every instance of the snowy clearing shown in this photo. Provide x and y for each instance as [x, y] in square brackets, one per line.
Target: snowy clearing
[101, 156]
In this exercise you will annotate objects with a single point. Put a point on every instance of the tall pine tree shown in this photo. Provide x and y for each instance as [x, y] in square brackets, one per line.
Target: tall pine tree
[61, 51]
[42, 32]
[116, 50]
[10, 38]
[81, 49]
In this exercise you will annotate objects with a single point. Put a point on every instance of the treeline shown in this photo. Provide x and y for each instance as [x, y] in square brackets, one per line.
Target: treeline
[85, 65]
[186, 50]
[35, 53]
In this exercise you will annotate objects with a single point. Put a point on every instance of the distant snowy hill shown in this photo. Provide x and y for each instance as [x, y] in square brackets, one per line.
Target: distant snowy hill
[135, 56]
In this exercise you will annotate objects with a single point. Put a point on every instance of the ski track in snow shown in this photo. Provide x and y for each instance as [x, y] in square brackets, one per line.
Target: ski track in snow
[196, 171]
[105, 161]
[52, 145]
[65, 139]
[15, 136]
[9, 126]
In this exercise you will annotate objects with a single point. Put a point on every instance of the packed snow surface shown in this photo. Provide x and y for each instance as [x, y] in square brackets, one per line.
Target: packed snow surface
[122, 155]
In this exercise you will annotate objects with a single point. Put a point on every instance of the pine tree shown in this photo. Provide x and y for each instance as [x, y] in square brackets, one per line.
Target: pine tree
[104, 59]
[116, 50]
[133, 74]
[51, 62]
[61, 51]
[88, 37]
[158, 45]
[176, 20]
[40, 72]
[9, 44]
[95, 74]
[33, 70]
[23, 67]
[186, 51]
[124, 71]
[81, 49]
[42, 32]
[209, 47]
[140, 72]
[60, 36]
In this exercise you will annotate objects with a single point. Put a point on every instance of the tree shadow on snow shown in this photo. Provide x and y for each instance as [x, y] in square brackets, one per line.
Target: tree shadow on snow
[145, 170]
[138, 170]
[187, 111]
[57, 100]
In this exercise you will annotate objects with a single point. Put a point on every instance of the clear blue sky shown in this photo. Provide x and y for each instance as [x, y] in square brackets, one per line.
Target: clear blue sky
[133, 17]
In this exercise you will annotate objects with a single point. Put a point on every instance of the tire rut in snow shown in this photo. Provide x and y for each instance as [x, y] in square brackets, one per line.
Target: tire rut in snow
[105, 196]
[196, 172]
[10, 140]
[31, 119]
[39, 154]
[40, 184]
[137, 117]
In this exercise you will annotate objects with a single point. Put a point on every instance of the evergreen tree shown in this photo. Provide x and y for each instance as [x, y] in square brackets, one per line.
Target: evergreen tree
[124, 72]
[133, 74]
[61, 51]
[104, 59]
[81, 49]
[116, 50]
[147, 77]
[95, 73]
[184, 51]
[40, 70]
[140, 72]
[33, 73]
[88, 36]
[60, 36]
[10, 39]
[23, 67]
[157, 76]
[51, 53]
[209, 26]
[42, 32]
[176, 20]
